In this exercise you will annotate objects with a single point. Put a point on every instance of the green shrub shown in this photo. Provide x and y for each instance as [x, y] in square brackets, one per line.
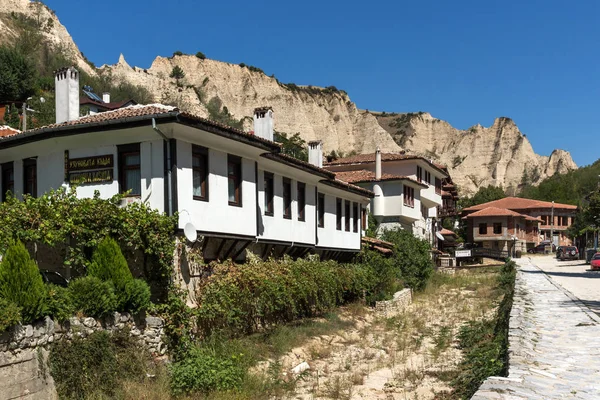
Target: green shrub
[59, 303]
[10, 314]
[205, 370]
[412, 256]
[137, 293]
[94, 367]
[109, 264]
[177, 53]
[386, 275]
[200, 55]
[21, 282]
[93, 297]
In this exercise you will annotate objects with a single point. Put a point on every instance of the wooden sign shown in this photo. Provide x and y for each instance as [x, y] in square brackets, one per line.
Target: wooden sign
[93, 169]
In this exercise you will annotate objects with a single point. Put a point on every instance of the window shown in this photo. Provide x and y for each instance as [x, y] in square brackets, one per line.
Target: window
[30, 177]
[438, 185]
[409, 196]
[364, 219]
[419, 173]
[234, 180]
[200, 172]
[338, 214]
[287, 198]
[355, 217]
[321, 210]
[269, 193]
[428, 177]
[483, 229]
[347, 215]
[130, 177]
[301, 201]
[8, 179]
[498, 228]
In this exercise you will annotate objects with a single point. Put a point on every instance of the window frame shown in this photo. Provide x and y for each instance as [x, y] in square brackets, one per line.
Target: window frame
[321, 210]
[364, 218]
[237, 179]
[269, 193]
[496, 225]
[6, 168]
[338, 214]
[301, 200]
[287, 198]
[484, 226]
[409, 196]
[29, 164]
[123, 151]
[438, 186]
[419, 173]
[202, 153]
[355, 217]
[347, 207]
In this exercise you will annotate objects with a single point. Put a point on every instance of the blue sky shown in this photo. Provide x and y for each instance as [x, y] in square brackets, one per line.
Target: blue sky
[465, 62]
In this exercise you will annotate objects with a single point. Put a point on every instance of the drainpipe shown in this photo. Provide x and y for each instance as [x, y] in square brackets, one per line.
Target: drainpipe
[169, 167]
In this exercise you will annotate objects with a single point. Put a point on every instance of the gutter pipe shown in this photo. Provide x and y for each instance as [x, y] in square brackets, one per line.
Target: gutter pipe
[169, 167]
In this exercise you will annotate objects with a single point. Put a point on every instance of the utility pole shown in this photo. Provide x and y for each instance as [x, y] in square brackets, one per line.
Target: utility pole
[24, 116]
[552, 227]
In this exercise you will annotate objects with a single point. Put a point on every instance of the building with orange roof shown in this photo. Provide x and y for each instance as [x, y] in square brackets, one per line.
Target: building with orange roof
[515, 221]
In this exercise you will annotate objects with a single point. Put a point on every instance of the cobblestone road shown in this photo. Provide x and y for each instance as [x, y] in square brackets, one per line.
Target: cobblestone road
[554, 342]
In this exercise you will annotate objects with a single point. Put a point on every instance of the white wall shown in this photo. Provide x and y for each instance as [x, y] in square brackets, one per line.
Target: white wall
[329, 236]
[276, 227]
[215, 215]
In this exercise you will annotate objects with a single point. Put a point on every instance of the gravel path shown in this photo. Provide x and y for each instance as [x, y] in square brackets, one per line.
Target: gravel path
[554, 337]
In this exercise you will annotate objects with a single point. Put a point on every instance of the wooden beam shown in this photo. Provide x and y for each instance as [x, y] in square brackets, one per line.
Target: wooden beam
[237, 253]
[266, 251]
[220, 248]
[228, 252]
[205, 243]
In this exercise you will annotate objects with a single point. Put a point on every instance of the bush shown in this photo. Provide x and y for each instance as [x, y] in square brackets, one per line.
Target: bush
[386, 275]
[177, 53]
[200, 55]
[10, 314]
[59, 304]
[109, 264]
[412, 256]
[95, 366]
[21, 282]
[137, 294]
[93, 297]
[204, 371]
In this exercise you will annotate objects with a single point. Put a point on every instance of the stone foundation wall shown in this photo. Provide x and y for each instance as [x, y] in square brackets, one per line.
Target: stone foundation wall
[24, 350]
[398, 304]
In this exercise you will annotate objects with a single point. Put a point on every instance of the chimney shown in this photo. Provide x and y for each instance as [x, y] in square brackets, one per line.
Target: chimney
[263, 122]
[378, 164]
[106, 97]
[315, 153]
[66, 81]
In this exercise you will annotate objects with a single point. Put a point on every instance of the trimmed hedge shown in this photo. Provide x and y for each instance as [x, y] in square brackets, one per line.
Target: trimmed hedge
[240, 299]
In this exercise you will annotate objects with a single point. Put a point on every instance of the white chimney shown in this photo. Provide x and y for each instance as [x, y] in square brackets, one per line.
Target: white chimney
[315, 153]
[106, 97]
[66, 81]
[378, 164]
[263, 122]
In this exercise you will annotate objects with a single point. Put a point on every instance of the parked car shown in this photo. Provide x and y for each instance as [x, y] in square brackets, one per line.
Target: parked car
[559, 250]
[569, 253]
[540, 248]
[54, 278]
[595, 262]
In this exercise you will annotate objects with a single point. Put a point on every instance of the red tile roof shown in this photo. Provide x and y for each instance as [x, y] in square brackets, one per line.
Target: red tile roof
[370, 158]
[517, 203]
[108, 106]
[364, 175]
[495, 212]
[447, 232]
[8, 131]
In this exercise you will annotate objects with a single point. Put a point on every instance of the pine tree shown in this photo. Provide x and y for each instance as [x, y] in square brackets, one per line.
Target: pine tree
[21, 282]
[177, 73]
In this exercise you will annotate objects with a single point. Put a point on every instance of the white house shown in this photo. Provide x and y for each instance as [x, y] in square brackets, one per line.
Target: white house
[408, 189]
[234, 188]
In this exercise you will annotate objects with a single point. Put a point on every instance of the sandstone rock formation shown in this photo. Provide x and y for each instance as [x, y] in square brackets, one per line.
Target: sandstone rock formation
[498, 155]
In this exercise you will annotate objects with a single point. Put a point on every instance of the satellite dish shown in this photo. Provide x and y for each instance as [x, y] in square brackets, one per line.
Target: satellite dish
[439, 236]
[189, 230]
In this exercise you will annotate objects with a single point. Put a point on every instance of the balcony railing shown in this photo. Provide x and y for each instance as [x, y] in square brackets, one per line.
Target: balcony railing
[447, 211]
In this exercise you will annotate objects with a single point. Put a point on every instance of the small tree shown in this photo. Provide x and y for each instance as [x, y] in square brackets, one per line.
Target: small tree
[12, 118]
[17, 75]
[200, 55]
[109, 264]
[177, 53]
[21, 282]
[177, 73]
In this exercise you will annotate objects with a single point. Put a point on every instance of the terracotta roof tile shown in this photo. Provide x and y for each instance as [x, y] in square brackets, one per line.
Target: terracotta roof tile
[370, 158]
[517, 203]
[364, 175]
[447, 232]
[495, 212]
[8, 131]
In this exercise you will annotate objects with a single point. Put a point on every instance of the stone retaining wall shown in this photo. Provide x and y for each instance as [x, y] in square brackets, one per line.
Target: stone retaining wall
[399, 302]
[24, 350]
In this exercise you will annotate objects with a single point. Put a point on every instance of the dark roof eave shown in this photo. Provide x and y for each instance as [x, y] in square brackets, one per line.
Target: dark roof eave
[68, 130]
[278, 157]
[349, 187]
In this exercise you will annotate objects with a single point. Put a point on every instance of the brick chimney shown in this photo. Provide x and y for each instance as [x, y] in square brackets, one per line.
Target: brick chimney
[315, 153]
[263, 122]
[66, 81]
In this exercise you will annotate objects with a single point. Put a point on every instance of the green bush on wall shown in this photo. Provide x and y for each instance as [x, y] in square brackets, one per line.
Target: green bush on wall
[21, 282]
[93, 297]
[59, 304]
[10, 314]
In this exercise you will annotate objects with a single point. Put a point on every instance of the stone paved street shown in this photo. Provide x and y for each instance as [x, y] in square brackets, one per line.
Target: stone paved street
[554, 337]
